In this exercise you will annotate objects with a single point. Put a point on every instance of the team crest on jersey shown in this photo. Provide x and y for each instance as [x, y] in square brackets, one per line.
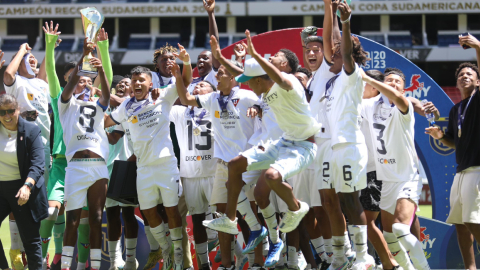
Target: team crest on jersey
[235, 101]
[30, 96]
[437, 145]
[135, 120]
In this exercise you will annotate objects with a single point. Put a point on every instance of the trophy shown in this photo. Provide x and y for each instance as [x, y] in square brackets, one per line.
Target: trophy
[92, 21]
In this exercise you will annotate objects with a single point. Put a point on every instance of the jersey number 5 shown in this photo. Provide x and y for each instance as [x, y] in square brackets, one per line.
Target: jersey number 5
[203, 134]
[86, 118]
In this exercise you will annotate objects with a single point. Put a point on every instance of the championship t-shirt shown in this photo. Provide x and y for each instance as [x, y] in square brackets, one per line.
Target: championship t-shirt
[233, 129]
[195, 138]
[33, 95]
[210, 77]
[392, 137]
[291, 110]
[149, 125]
[83, 124]
[344, 99]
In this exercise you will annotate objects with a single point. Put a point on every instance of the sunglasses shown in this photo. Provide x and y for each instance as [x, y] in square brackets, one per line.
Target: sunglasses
[4, 112]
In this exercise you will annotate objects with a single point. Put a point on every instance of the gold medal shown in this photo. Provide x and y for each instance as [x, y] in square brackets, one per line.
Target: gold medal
[130, 119]
[459, 133]
[196, 131]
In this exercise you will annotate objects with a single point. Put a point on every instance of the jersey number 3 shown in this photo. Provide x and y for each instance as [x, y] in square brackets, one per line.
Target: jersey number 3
[86, 118]
[206, 133]
[381, 128]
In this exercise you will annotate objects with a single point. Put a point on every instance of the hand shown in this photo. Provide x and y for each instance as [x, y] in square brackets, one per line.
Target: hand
[239, 51]
[435, 132]
[50, 30]
[335, 5]
[1, 62]
[96, 63]
[345, 11]
[156, 93]
[470, 41]
[308, 31]
[102, 35]
[209, 6]
[24, 48]
[254, 111]
[250, 48]
[23, 195]
[87, 47]
[58, 42]
[215, 48]
[175, 69]
[183, 54]
[429, 107]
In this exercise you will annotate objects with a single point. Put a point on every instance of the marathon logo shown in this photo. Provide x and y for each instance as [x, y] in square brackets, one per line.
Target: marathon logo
[387, 161]
[437, 145]
[85, 137]
[198, 158]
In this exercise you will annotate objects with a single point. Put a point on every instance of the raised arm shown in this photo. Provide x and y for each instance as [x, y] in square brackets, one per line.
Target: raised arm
[183, 94]
[104, 56]
[346, 46]
[70, 87]
[217, 54]
[51, 36]
[187, 68]
[391, 93]
[209, 6]
[272, 72]
[335, 29]
[327, 31]
[472, 42]
[42, 73]
[105, 86]
[12, 68]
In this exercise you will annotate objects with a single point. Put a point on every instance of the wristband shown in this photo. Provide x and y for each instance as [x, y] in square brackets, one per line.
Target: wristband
[29, 185]
[347, 20]
[187, 63]
[443, 137]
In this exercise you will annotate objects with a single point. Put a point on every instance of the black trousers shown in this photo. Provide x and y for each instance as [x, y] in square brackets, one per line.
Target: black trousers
[28, 228]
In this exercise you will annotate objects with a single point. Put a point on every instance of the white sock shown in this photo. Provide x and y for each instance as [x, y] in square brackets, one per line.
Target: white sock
[67, 254]
[177, 237]
[328, 255]
[292, 257]
[202, 252]
[112, 251]
[81, 266]
[338, 247]
[271, 219]
[14, 235]
[151, 240]
[266, 246]
[243, 206]
[95, 258]
[159, 235]
[119, 251]
[211, 234]
[360, 240]
[318, 245]
[411, 244]
[238, 249]
[348, 245]
[167, 233]
[131, 249]
[251, 258]
[232, 250]
[396, 249]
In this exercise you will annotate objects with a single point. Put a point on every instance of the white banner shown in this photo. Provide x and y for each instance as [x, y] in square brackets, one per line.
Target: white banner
[365, 7]
[121, 10]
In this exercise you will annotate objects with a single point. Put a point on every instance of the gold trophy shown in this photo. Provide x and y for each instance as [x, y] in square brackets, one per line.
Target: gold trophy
[92, 21]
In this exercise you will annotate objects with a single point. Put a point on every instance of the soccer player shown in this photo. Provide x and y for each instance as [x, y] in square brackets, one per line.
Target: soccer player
[86, 144]
[391, 123]
[462, 135]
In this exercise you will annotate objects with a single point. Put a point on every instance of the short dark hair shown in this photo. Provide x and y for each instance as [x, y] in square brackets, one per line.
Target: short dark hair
[162, 50]
[68, 66]
[292, 59]
[211, 84]
[141, 70]
[304, 71]
[310, 39]
[116, 79]
[467, 65]
[375, 74]
[395, 71]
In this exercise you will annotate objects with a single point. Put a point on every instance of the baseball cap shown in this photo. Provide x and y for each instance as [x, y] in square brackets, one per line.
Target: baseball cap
[252, 69]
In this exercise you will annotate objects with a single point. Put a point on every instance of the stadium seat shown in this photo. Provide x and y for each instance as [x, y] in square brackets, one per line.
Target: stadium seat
[399, 41]
[13, 1]
[137, 1]
[224, 41]
[89, 1]
[12, 44]
[377, 38]
[60, 1]
[139, 43]
[447, 40]
[162, 40]
[66, 45]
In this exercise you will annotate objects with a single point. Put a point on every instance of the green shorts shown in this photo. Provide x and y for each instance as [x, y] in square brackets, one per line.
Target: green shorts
[56, 183]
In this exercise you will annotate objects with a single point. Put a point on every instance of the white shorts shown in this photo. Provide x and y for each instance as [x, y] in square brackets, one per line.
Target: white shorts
[393, 191]
[250, 178]
[349, 167]
[112, 203]
[323, 168]
[285, 156]
[79, 176]
[304, 188]
[197, 192]
[159, 182]
[465, 197]
[219, 190]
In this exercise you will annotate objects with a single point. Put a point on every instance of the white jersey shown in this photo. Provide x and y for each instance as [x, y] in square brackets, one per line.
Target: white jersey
[124, 147]
[232, 133]
[268, 128]
[33, 95]
[291, 110]
[393, 141]
[210, 77]
[365, 128]
[318, 103]
[83, 123]
[196, 149]
[159, 81]
[149, 126]
[344, 104]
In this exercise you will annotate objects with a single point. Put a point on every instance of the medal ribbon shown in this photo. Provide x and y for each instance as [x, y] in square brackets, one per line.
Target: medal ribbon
[85, 91]
[162, 84]
[329, 85]
[138, 108]
[223, 103]
[461, 113]
[200, 116]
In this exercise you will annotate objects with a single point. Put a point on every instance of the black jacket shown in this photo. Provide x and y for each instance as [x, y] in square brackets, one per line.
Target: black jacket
[31, 163]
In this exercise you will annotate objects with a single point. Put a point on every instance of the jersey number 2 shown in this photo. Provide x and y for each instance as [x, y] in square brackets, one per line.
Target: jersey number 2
[203, 134]
[86, 117]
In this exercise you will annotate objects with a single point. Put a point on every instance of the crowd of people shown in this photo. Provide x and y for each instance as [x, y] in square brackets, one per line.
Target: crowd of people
[294, 162]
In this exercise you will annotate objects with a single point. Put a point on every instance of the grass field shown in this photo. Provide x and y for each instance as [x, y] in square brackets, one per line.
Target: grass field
[425, 211]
